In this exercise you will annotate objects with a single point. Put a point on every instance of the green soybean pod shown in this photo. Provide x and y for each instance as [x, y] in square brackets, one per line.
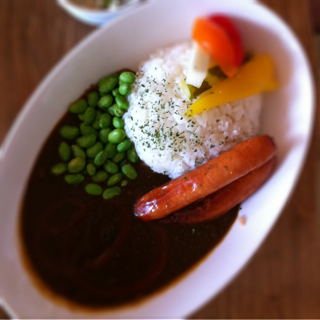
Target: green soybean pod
[125, 89]
[87, 141]
[118, 123]
[111, 110]
[81, 116]
[116, 136]
[124, 145]
[59, 168]
[116, 178]
[132, 154]
[93, 189]
[87, 129]
[69, 132]
[100, 176]
[115, 92]
[111, 149]
[78, 152]
[91, 169]
[105, 121]
[122, 102]
[108, 84]
[119, 157]
[76, 165]
[118, 112]
[127, 77]
[90, 115]
[110, 167]
[103, 135]
[100, 158]
[94, 150]
[96, 123]
[78, 107]
[93, 98]
[124, 183]
[74, 178]
[129, 171]
[64, 151]
[111, 192]
[105, 101]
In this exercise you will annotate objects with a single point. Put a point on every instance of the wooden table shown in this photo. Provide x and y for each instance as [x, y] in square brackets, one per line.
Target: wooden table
[283, 279]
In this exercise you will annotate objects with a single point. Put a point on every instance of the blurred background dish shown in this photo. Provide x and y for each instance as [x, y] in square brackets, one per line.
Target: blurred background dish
[97, 12]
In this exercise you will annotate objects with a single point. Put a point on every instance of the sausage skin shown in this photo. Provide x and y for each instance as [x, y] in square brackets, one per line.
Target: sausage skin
[221, 201]
[210, 177]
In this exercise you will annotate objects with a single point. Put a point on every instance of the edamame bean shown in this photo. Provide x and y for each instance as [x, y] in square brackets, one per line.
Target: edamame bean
[118, 112]
[90, 115]
[100, 158]
[132, 154]
[69, 132]
[111, 149]
[116, 178]
[96, 122]
[59, 168]
[93, 98]
[124, 183]
[111, 110]
[115, 92]
[123, 162]
[84, 129]
[105, 101]
[94, 150]
[78, 152]
[91, 169]
[74, 178]
[105, 121]
[111, 167]
[118, 123]
[81, 116]
[129, 171]
[64, 151]
[119, 157]
[124, 145]
[103, 135]
[78, 107]
[127, 77]
[94, 189]
[87, 141]
[122, 102]
[108, 84]
[116, 136]
[100, 176]
[125, 89]
[76, 165]
[111, 192]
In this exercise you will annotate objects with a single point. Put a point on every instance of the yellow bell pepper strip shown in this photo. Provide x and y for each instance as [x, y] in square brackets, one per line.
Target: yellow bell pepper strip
[216, 42]
[254, 77]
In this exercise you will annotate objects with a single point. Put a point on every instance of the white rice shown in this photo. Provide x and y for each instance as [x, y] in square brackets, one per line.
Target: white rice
[165, 139]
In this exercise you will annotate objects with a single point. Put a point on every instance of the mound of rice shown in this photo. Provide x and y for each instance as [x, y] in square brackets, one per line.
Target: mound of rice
[165, 139]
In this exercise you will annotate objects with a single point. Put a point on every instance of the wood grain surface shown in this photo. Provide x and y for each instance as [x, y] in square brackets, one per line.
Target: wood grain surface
[283, 279]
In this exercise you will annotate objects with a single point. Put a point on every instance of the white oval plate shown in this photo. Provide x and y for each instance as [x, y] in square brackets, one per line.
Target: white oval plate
[287, 116]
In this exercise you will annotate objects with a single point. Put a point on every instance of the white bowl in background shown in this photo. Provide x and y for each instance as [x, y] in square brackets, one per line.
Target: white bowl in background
[287, 116]
[96, 17]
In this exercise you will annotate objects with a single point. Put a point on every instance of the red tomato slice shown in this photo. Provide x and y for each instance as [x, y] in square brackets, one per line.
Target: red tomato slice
[215, 40]
[225, 23]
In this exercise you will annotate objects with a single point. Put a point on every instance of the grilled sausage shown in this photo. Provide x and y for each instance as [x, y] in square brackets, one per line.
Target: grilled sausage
[221, 201]
[208, 178]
